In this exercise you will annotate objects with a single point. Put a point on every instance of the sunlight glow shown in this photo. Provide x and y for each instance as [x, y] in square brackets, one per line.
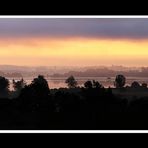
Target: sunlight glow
[73, 51]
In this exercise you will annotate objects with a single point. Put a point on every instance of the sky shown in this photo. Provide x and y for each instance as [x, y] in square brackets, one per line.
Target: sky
[74, 41]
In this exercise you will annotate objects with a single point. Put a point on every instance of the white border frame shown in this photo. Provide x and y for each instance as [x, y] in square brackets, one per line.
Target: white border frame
[73, 131]
[73, 16]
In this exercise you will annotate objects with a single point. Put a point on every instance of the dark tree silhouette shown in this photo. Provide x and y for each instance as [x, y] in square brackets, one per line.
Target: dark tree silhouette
[120, 81]
[88, 84]
[92, 84]
[71, 82]
[96, 84]
[91, 107]
[36, 96]
[37, 90]
[144, 85]
[4, 83]
[40, 80]
[40, 86]
[135, 84]
[4, 86]
[18, 85]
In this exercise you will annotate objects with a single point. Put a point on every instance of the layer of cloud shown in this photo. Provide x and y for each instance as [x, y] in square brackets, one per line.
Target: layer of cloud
[98, 28]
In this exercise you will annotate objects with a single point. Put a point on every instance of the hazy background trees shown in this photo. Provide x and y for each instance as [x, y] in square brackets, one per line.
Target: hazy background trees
[71, 82]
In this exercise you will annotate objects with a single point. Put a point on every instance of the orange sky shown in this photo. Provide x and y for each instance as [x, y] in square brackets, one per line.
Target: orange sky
[73, 51]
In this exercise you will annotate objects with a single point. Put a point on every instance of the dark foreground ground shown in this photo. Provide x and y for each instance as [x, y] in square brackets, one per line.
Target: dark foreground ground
[88, 109]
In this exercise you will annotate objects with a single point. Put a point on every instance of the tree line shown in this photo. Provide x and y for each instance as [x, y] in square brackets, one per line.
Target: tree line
[91, 107]
[120, 81]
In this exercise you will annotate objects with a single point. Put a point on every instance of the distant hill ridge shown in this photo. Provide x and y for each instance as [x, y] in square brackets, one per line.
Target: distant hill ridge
[104, 72]
[78, 71]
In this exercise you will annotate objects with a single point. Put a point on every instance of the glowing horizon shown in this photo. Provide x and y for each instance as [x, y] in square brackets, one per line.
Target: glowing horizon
[73, 52]
[74, 42]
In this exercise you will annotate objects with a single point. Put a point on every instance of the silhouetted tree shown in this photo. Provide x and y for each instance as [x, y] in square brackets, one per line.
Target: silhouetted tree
[88, 84]
[36, 96]
[71, 82]
[4, 86]
[144, 85]
[37, 90]
[18, 85]
[96, 84]
[4, 83]
[40, 86]
[135, 84]
[93, 107]
[120, 81]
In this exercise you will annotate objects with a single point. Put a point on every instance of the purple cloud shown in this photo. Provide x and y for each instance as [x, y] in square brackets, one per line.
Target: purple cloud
[134, 28]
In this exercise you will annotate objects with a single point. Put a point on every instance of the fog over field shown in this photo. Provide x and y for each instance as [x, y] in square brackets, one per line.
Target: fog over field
[51, 70]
